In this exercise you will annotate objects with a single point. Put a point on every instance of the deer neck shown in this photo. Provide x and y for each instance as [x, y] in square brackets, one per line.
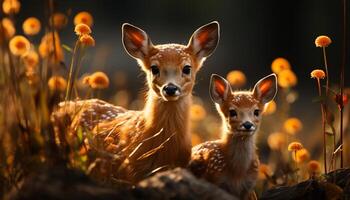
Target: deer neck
[172, 117]
[239, 151]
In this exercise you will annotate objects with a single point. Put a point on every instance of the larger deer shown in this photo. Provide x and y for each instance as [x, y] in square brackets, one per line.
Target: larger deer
[157, 136]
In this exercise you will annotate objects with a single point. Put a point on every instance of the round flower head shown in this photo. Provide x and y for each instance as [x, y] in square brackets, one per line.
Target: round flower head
[270, 108]
[32, 77]
[318, 73]
[82, 29]
[31, 26]
[197, 112]
[11, 6]
[19, 45]
[323, 41]
[87, 40]
[57, 83]
[47, 46]
[86, 80]
[264, 170]
[313, 166]
[83, 17]
[276, 141]
[98, 80]
[287, 78]
[8, 27]
[301, 156]
[195, 139]
[295, 146]
[293, 125]
[30, 59]
[236, 78]
[280, 64]
[59, 20]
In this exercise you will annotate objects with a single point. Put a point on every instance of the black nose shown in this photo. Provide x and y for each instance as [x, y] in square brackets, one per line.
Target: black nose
[247, 125]
[170, 89]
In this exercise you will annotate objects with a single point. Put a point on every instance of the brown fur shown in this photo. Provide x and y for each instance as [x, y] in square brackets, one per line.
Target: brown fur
[139, 142]
[232, 162]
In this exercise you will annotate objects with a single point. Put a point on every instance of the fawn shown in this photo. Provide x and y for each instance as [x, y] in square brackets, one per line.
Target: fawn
[232, 162]
[157, 136]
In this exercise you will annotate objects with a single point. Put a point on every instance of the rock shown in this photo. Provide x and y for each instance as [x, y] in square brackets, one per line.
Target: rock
[309, 189]
[179, 184]
[336, 185]
[65, 184]
[62, 184]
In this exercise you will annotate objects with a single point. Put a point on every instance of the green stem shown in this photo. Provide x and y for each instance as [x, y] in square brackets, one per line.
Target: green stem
[75, 58]
[342, 81]
[323, 127]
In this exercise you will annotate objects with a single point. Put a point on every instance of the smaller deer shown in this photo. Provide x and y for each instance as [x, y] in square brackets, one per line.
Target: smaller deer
[231, 162]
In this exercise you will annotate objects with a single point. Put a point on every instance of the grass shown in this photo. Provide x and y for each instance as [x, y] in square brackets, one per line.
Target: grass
[28, 138]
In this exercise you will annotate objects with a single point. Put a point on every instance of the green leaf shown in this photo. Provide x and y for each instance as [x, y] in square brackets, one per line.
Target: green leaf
[80, 134]
[329, 133]
[67, 48]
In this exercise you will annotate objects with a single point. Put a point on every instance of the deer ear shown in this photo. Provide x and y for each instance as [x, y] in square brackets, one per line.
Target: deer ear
[205, 39]
[136, 42]
[219, 89]
[266, 88]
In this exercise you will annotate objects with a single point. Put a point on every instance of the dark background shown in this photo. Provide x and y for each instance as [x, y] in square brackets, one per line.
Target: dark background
[253, 33]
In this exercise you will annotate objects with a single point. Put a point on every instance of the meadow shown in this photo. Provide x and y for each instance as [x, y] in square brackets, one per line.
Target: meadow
[39, 69]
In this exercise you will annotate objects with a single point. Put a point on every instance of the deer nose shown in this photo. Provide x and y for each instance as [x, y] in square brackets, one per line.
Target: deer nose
[247, 125]
[171, 90]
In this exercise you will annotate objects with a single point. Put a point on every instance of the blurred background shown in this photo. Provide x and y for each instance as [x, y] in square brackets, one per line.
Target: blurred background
[253, 34]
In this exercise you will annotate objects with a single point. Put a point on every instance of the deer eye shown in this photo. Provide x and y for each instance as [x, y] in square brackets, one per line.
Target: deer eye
[233, 113]
[186, 70]
[257, 112]
[155, 70]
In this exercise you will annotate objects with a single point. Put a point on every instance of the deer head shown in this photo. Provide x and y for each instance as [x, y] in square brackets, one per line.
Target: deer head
[171, 68]
[241, 110]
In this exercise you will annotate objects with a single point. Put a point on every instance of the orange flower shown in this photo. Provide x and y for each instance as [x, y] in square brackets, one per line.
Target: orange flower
[195, 139]
[31, 26]
[264, 170]
[82, 29]
[276, 141]
[83, 17]
[9, 28]
[280, 64]
[287, 78]
[323, 41]
[87, 40]
[11, 6]
[197, 112]
[98, 80]
[47, 46]
[293, 125]
[57, 83]
[59, 20]
[122, 98]
[318, 73]
[301, 156]
[313, 166]
[30, 59]
[19, 45]
[270, 108]
[236, 78]
[295, 146]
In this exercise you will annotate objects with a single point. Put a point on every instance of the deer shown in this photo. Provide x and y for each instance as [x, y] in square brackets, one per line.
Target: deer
[158, 136]
[231, 162]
